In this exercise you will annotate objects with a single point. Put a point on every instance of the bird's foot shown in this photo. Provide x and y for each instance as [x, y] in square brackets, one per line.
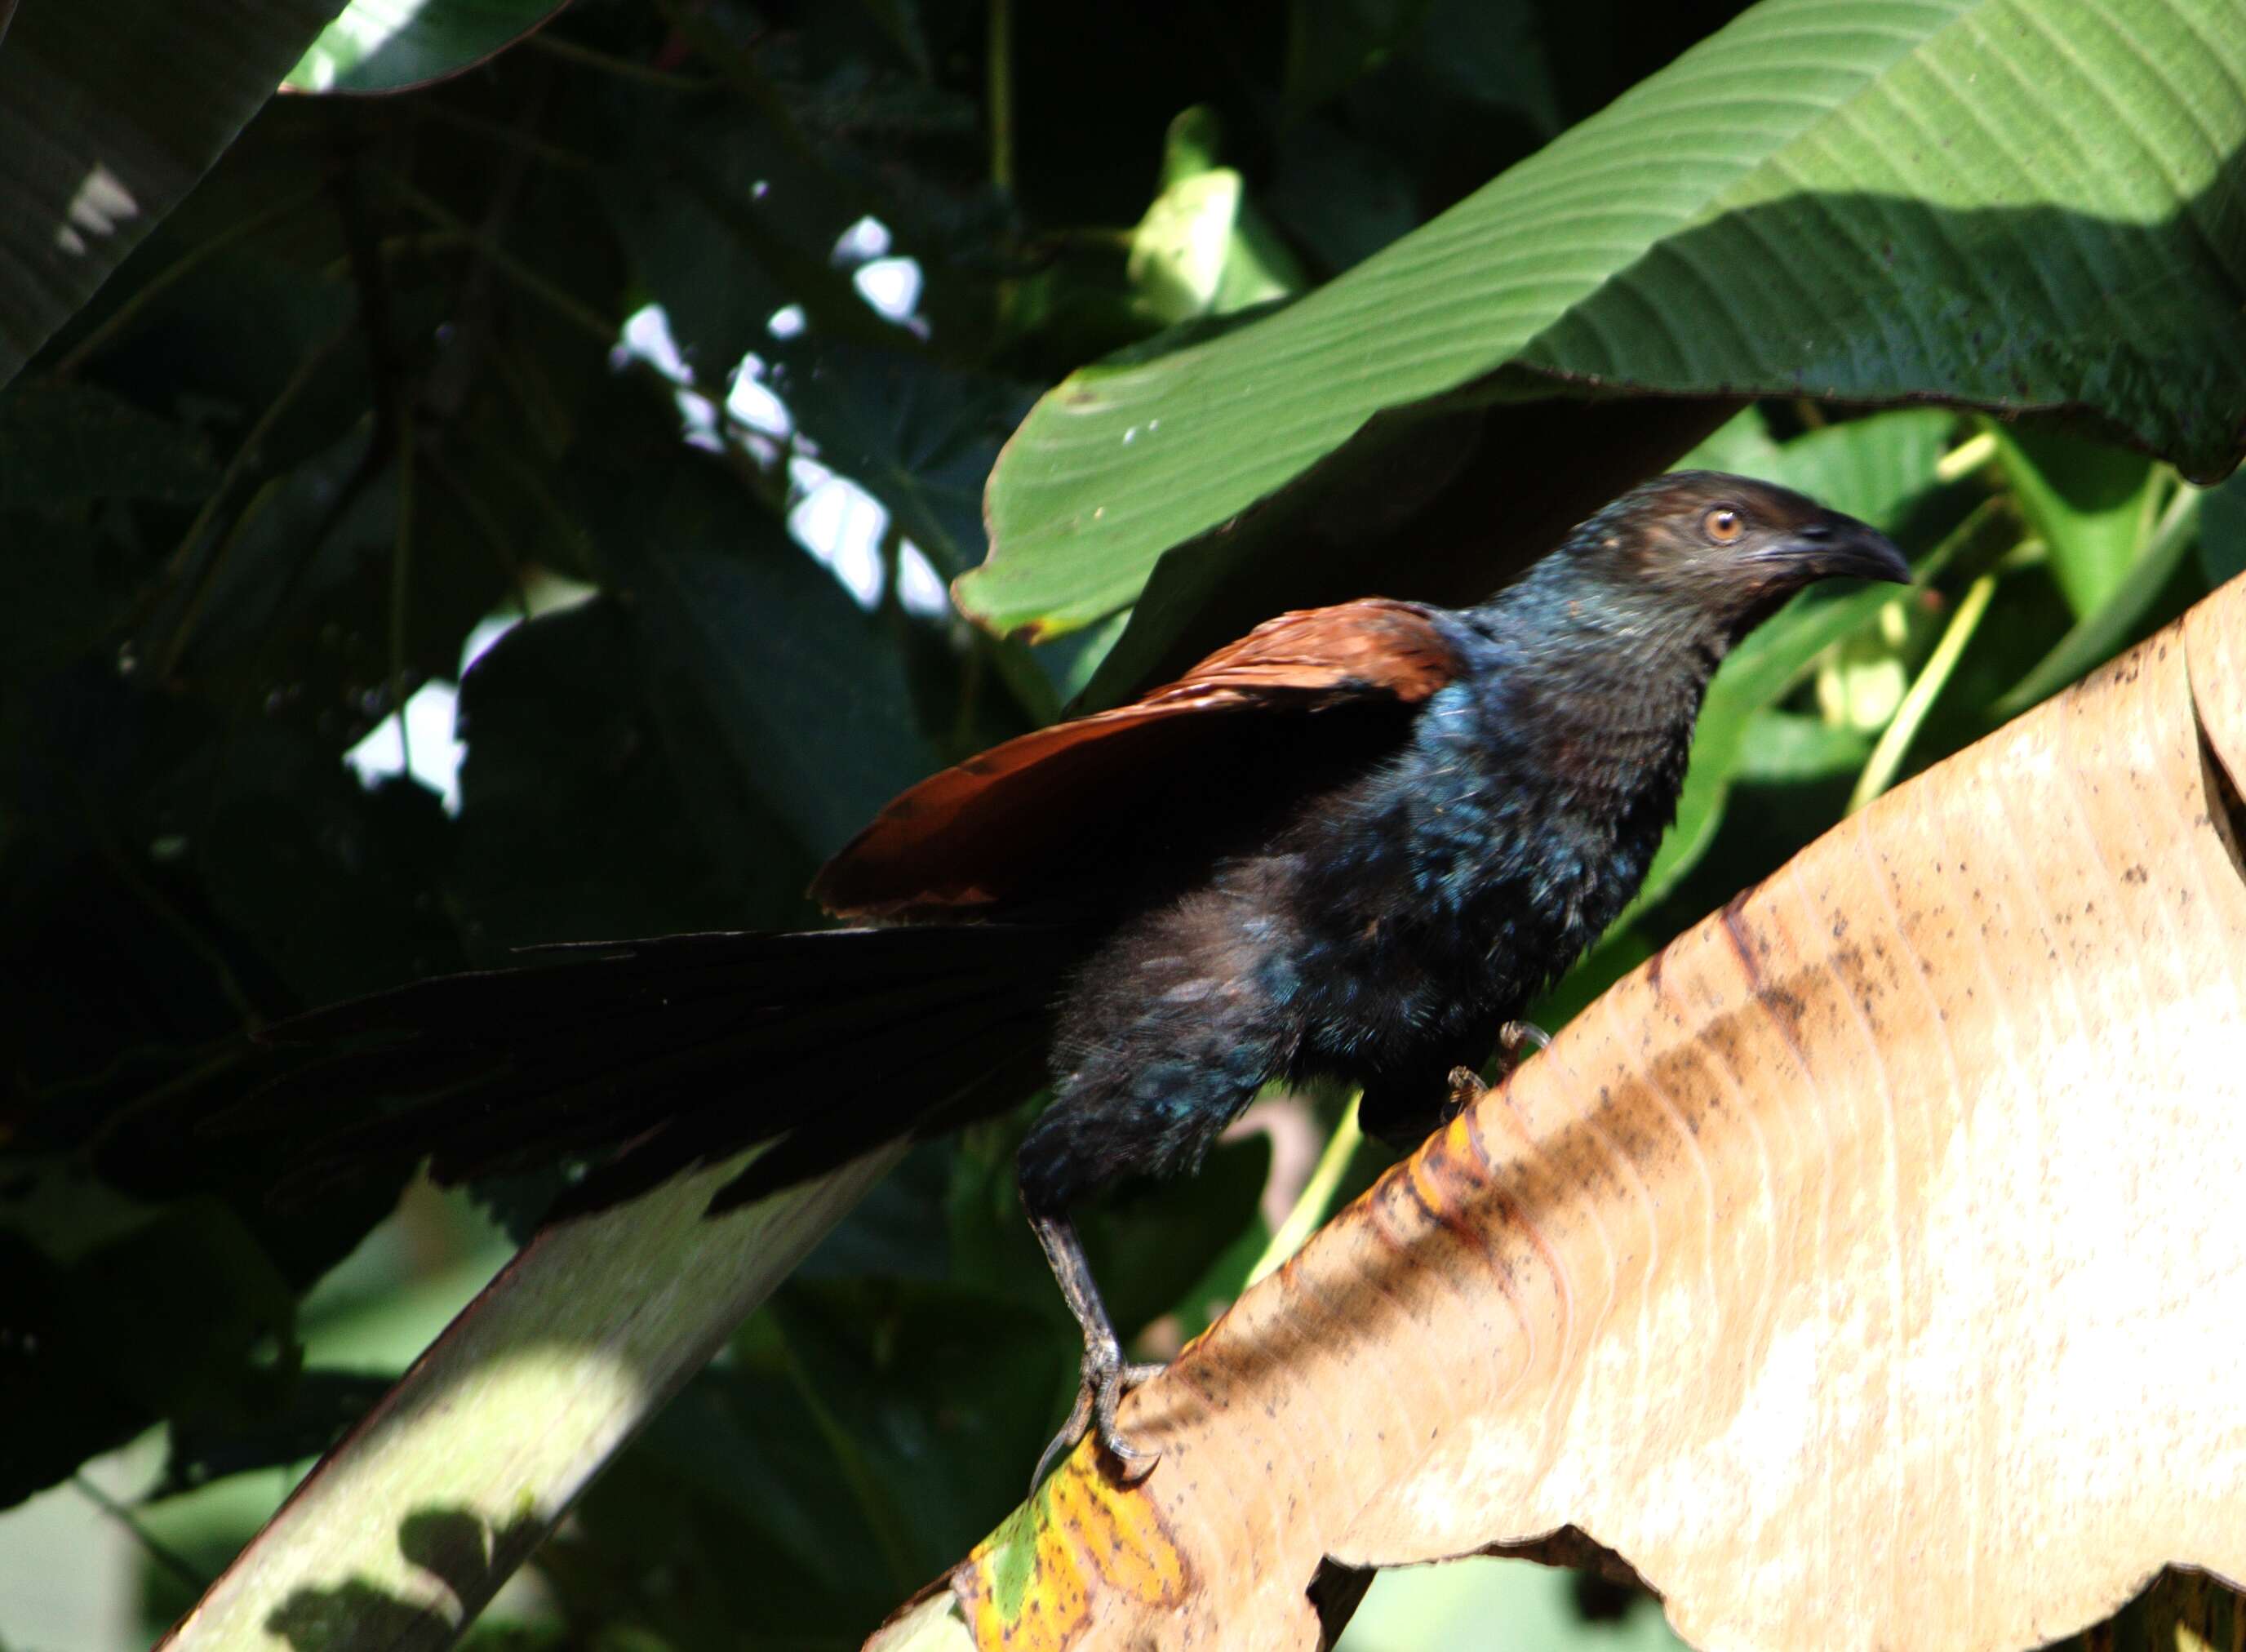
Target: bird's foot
[1515, 1034]
[1466, 1088]
[1108, 1378]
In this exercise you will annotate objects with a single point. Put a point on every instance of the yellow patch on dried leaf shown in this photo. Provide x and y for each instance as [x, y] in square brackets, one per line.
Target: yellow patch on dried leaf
[1080, 1538]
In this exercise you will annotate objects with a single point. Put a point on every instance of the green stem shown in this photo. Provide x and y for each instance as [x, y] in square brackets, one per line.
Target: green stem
[244, 455]
[532, 485]
[125, 868]
[170, 1559]
[857, 1473]
[623, 68]
[1310, 1210]
[191, 611]
[499, 259]
[544, 430]
[401, 577]
[998, 92]
[413, 241]
[508, 137]
[2099, 634]
[1895, 741]
[482, 524]
[1966, 458]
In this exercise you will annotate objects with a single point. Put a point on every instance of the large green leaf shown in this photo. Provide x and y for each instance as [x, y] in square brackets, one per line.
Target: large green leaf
[1870, 200]
[393, 45]
[492, 1433]
[2092, 505]
[108, 113]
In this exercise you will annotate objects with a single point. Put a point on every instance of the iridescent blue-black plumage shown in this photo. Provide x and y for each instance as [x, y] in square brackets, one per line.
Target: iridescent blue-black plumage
[1385, 931]
[1386, 928]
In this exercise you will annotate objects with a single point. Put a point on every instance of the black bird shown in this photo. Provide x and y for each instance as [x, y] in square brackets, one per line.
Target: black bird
[1354, 843]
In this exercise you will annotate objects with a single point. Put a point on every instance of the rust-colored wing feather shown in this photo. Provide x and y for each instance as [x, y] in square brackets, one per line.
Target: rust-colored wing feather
[996, 832]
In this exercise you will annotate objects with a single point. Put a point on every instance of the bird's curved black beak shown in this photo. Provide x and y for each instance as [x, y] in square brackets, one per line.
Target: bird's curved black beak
[1836, 547]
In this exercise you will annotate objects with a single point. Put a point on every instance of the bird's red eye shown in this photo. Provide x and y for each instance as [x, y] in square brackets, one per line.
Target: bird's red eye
[1723, 525]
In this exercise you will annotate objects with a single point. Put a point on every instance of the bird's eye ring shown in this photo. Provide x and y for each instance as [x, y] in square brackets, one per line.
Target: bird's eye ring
[1723, 525]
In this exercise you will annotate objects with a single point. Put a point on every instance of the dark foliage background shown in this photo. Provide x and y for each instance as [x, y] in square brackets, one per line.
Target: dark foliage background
[365, 391]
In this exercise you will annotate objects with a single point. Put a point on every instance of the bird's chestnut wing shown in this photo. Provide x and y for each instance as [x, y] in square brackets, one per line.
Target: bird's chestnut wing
[1014, 828]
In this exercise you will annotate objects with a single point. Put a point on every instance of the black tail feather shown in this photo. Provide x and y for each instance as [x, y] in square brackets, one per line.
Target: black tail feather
[669, 1054]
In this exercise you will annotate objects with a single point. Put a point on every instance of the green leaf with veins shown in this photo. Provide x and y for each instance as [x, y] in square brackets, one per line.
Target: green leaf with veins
[1704, 235]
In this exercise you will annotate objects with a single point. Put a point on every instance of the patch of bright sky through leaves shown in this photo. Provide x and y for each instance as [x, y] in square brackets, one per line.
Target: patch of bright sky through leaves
[830, 516]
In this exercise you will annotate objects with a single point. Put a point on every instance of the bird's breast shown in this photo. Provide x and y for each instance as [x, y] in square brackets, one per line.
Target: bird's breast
[1527, 836]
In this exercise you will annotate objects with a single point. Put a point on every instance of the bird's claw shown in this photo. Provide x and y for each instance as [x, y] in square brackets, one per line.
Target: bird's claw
[1513, 1034]
[1466, 1088]
[1108, 1378]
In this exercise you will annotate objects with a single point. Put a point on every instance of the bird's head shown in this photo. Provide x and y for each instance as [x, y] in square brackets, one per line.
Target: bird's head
[1726, 550]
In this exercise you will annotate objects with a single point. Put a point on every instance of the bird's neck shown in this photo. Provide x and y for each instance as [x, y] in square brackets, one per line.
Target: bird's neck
[1539, 781]
[1615, 677]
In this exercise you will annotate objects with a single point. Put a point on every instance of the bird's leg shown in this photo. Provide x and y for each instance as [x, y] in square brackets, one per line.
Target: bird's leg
[1106, 1378]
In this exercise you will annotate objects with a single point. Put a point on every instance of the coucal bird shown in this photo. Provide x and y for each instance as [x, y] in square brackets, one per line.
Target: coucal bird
[1354, 843]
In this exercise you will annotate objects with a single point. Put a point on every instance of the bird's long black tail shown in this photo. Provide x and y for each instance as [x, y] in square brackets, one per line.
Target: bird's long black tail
[653, 1057]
